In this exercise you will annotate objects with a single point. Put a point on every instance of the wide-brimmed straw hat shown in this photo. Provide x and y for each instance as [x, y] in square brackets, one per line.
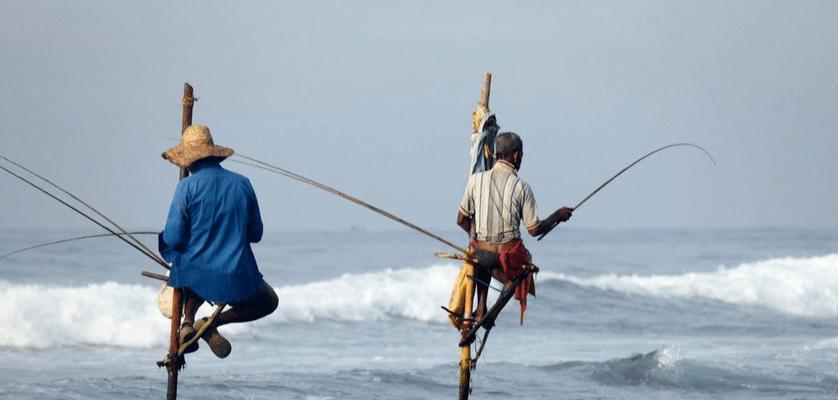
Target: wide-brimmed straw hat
[195, 143]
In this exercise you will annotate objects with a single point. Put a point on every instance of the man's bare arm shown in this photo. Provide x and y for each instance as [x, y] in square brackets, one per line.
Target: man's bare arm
[561, 215]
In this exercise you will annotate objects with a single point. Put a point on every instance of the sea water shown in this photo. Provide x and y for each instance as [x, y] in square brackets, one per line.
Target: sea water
[635, 314]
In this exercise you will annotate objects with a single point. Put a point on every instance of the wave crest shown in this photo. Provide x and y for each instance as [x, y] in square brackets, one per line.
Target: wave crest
[405, 293]
[114, 314]
[40, 316]
[796, 286]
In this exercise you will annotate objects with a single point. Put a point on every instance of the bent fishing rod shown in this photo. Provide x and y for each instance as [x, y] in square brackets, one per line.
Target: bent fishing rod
[134, 242]
[626, 169]
[278, 170]
[282, 171]
[98, 235]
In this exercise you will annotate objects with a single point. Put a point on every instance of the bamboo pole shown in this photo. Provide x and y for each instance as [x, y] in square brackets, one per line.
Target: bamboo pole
[176, 360]
[465, 351]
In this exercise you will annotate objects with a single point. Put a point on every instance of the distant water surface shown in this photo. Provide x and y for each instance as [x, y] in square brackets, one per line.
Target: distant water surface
[642, 314]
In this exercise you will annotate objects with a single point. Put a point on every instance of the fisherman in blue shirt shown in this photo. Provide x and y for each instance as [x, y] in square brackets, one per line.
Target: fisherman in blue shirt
[213, 218]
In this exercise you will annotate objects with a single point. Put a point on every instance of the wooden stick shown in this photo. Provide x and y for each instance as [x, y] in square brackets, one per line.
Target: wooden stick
[175, 362]
[152, 275]
[218, 309]
[465, 348]
[485, 90]
[452, 256]
[186, 119]
[176, 359]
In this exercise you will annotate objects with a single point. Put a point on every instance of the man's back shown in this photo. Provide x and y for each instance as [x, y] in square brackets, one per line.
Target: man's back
[498, 202]
[213, 219]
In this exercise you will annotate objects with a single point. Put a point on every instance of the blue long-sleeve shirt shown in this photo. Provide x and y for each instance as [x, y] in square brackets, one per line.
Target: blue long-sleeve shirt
[213, 218]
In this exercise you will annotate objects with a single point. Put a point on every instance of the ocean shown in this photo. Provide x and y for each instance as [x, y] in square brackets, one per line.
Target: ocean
[622, 314]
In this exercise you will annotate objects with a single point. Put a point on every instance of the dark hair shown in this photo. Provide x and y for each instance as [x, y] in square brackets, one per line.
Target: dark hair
[507, 143]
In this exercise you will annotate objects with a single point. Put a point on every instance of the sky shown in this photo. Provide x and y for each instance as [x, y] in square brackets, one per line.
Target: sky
[375, 98]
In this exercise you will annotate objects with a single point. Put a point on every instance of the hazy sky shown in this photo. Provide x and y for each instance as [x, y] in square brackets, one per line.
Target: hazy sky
[375, 99]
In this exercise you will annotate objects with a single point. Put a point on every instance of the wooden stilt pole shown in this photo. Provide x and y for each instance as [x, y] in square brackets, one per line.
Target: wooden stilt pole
[175, 361]
[485, 89]
[465, 351]
[186, 120]
[173, 368]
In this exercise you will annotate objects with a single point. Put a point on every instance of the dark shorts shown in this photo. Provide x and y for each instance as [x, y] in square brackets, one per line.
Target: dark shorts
[265, 295]
[487, 259]
[488, 266]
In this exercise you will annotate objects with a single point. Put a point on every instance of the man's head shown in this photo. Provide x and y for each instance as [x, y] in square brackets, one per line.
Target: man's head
[509, 147]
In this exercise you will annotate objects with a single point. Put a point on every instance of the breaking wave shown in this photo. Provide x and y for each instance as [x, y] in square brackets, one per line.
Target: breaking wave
[115, 314]
[797, 286]
[40, 316]
[404, 293]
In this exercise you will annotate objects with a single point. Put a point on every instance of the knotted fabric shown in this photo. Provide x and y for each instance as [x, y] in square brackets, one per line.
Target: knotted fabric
[513, 258]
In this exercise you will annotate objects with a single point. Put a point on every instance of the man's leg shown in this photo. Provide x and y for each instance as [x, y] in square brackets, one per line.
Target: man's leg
[190, 305]
[483, 277]
[263, 303]
[500, 277]
[487, 264]
[258, 306]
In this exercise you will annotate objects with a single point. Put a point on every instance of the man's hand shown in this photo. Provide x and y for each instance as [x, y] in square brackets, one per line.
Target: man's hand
[563, 214]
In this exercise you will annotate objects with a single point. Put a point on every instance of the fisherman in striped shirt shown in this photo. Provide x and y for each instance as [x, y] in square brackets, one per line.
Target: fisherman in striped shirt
[493, 207]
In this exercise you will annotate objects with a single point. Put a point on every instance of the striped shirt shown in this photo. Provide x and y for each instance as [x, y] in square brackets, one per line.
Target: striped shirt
[498, 202]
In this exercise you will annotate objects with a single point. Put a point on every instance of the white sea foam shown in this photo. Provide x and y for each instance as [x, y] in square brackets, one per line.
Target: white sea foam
[113, 314]
[797, 286]
[404, 293]
[668, 357]
[110, 314]
[126, 315]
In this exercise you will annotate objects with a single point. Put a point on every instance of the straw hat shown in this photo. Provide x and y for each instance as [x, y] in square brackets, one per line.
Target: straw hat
[195, 144]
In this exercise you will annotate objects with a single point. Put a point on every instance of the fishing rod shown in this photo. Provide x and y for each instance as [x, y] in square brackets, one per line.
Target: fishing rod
[626, 169]
[139, 246]
[273, 168]
[145, 249]
[98, 235]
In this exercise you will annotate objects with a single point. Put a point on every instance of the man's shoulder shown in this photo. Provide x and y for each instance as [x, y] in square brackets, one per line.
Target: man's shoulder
[521, 181]
[479, 174]
[225, 174]
[235, 175]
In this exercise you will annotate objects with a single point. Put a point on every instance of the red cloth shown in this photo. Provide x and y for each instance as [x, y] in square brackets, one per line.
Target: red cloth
[513, 257]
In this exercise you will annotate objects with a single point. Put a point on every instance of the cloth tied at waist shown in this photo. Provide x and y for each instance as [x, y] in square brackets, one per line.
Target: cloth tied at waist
[514, 257]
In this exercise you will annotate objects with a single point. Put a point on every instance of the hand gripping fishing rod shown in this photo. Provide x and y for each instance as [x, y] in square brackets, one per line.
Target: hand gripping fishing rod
[278, 170]
[626, 169]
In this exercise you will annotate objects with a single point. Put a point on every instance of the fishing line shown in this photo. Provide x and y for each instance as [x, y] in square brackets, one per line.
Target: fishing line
[273, 168]
[626, 169]
[98, 235]
[135, 244]
[145, 249]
